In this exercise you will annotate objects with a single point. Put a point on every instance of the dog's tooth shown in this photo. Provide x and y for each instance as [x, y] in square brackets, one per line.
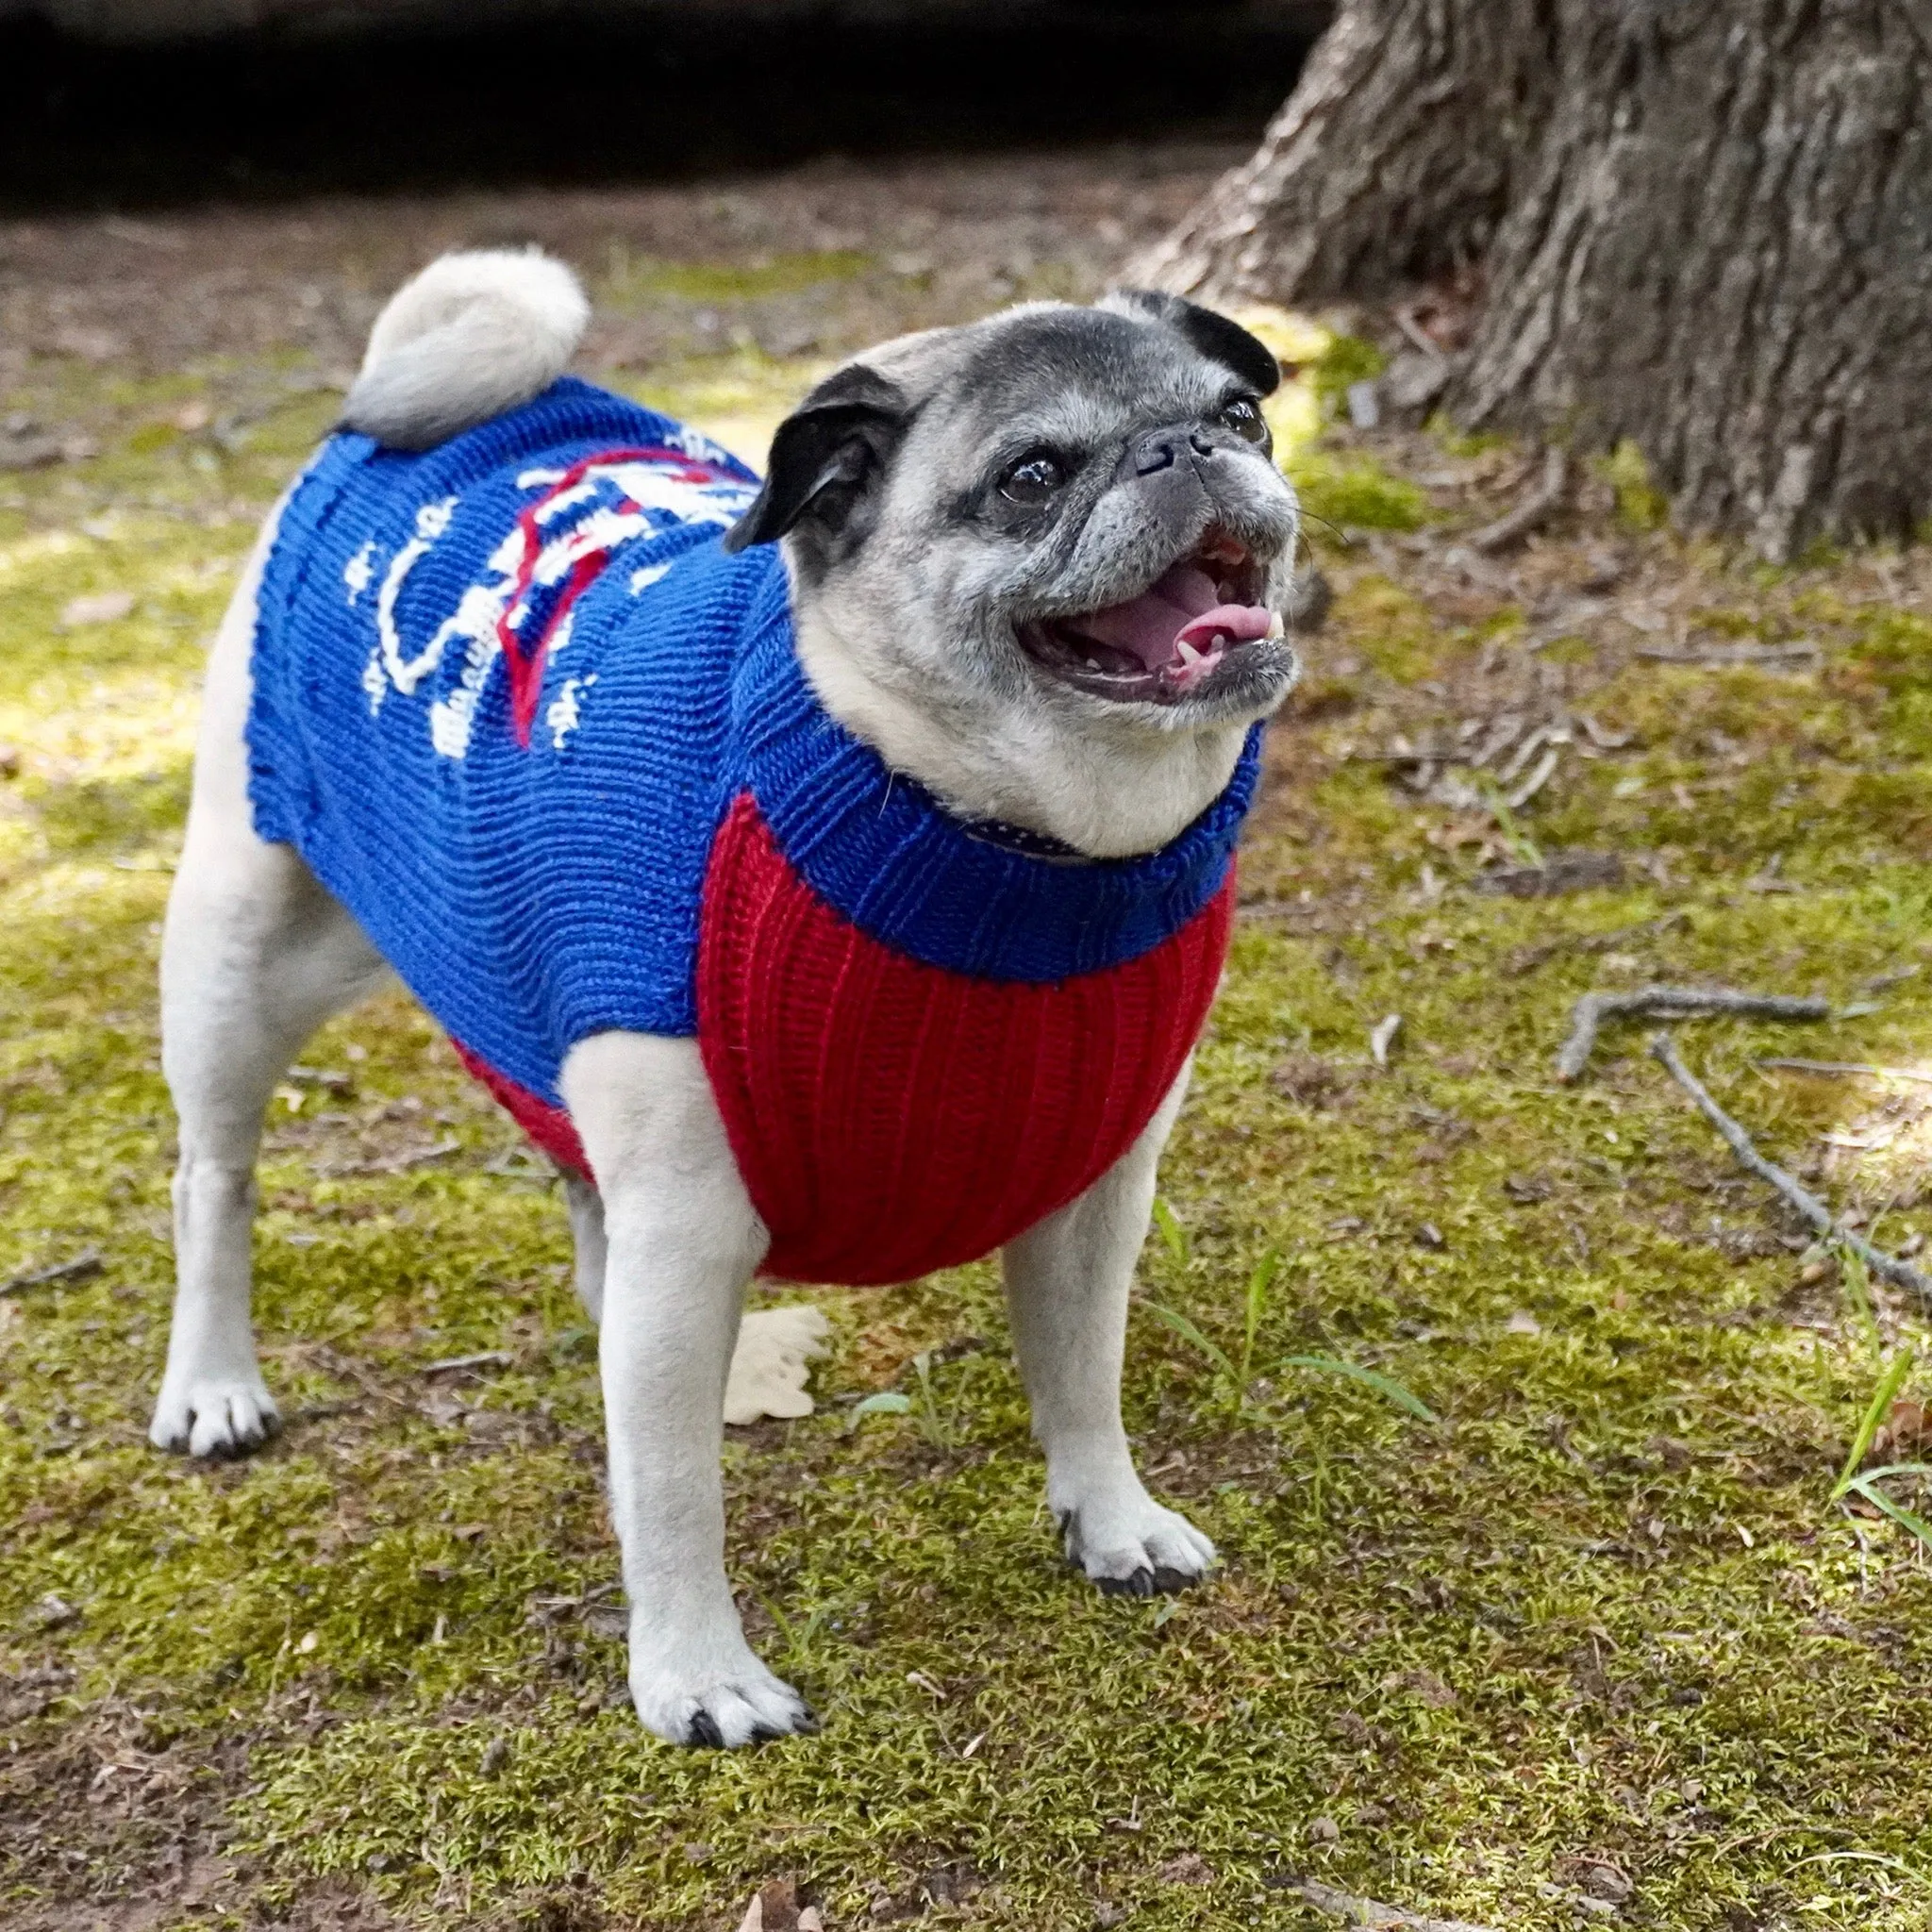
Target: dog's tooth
[1276, 627]
[1190, 656]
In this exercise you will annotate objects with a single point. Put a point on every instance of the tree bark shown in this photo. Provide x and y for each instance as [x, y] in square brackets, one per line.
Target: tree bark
[1392, 163]
[1716, 242]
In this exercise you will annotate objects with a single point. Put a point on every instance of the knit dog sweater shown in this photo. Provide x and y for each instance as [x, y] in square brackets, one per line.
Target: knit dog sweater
[553, 748]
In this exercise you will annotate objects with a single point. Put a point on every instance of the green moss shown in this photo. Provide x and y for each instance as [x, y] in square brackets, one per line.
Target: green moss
[1355, 493]
[1462, 444]
[630, 279]
[1639, 504]
[1600, 1607]
[1344, 361]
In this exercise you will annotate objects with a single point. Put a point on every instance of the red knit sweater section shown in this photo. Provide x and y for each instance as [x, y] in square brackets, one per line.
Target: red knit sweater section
[890, 1118]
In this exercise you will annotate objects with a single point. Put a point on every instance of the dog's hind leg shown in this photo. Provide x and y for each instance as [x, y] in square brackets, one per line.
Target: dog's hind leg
[1067, 1286]
[586, 1206]
[254, 957]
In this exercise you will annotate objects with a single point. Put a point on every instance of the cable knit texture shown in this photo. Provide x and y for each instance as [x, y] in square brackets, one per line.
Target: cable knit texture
[553, 748]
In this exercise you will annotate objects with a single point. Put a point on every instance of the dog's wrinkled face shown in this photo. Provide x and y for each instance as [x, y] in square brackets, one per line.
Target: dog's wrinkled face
[1060, 506]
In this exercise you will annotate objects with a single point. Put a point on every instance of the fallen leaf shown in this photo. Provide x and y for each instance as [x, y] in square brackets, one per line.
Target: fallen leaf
[1523, 1323]
[1312, 1082]
[102, 606]
[1425, 1685]
[1190, 1868]
[1903, 1436]
[774, 1908]
[1562, 872]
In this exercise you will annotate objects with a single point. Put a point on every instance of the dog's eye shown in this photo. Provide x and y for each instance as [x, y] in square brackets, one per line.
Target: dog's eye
[1033, 479]
[1245, 419]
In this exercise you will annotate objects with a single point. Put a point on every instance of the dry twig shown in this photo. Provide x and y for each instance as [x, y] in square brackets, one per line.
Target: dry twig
[1672, 1003]
[1530, 514]
[1889, 1267]
[1717, 657]
[1847, 1067]
[1352, 1910]
[82, 1268]
[449, 1365]
[1527, 959]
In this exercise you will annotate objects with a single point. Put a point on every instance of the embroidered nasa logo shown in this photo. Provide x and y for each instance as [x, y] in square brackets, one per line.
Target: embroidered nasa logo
[578, 521]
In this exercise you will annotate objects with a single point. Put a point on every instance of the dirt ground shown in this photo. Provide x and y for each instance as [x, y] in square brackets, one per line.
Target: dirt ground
[942, 241]
[1587, 1640]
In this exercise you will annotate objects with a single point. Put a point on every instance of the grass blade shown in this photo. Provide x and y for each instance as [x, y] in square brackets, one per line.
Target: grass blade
[1858, 1288]
[1866, 1487]
[1258, 1284]
[1188, 1333]
[1385, 1386]
[1888, 1385]
[1172, 1233]
[889, 1401]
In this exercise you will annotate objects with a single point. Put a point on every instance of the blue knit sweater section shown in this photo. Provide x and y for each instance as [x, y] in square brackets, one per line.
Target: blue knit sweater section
[533, 889]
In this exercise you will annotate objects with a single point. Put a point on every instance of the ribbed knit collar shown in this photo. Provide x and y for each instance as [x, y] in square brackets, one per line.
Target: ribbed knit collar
[881, 851]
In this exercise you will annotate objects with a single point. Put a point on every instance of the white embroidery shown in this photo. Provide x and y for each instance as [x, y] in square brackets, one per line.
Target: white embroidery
[359, 568]
[699, 447]
[564, 715]
[656, 499]
[719, 500]
[432, 520]
[451, 718]
[475, 622]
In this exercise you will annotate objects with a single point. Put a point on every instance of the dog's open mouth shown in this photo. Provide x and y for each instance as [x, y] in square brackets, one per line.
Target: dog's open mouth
[1163, 645]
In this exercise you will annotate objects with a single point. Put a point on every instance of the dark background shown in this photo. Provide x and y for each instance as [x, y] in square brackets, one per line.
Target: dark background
[571, 97]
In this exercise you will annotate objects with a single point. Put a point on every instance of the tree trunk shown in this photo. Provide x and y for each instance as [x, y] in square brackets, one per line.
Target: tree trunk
[1717, 243]
[1392, 163]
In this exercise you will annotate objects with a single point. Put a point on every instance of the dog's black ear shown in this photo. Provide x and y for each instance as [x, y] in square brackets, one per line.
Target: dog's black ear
[825, 452]
[1217, 339]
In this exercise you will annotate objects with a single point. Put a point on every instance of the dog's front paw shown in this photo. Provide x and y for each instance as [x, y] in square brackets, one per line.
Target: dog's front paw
[1130, 1546]
[721, 1696]
[216, 1416]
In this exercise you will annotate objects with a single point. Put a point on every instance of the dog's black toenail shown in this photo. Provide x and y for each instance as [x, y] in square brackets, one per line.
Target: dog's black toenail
[1172, 1582]
[704, 1730]
[1140, 1584]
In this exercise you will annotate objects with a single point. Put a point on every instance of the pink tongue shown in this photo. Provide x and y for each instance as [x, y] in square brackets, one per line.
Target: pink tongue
[1181, 607]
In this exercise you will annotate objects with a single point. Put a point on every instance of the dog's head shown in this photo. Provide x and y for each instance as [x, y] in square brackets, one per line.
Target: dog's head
[1060, 510]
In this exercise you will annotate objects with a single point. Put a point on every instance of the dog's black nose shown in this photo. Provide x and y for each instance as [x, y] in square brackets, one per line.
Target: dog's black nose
[1161, 449]
[1155, 452]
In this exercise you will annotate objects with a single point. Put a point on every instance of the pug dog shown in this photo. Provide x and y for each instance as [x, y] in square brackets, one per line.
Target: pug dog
[831, 872]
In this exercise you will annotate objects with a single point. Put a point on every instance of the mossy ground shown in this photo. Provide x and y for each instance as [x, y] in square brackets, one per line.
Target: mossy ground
[1600, 1614]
